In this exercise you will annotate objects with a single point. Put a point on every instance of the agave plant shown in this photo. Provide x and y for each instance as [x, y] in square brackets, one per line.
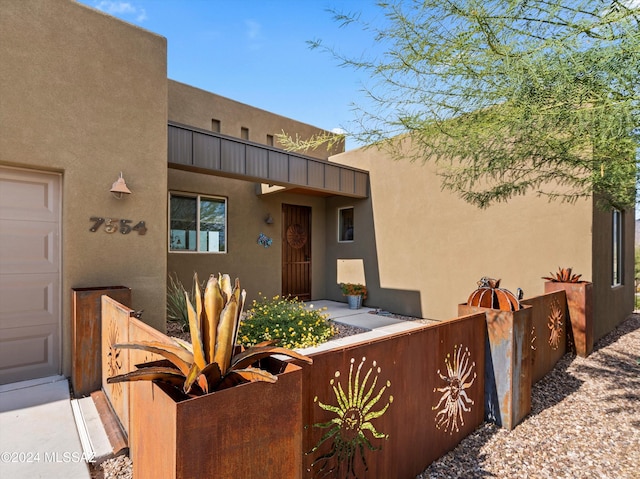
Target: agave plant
[563, 276]
[211, 361]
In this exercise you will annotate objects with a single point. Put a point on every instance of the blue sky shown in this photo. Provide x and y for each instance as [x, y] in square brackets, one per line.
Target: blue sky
[255, 51]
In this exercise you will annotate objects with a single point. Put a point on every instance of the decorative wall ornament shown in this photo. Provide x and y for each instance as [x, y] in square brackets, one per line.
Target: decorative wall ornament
[454, 400]
[111, 225]
[264, 240]
[554, 322]
[352, 423]
[296, 236]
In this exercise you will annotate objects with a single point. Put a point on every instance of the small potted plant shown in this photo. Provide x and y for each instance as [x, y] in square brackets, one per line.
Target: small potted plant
[355, 293]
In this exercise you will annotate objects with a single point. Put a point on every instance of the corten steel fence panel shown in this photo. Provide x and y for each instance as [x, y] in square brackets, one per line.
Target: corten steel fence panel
[580, 311]
[86, 315]
[388, 407]
[549, 331]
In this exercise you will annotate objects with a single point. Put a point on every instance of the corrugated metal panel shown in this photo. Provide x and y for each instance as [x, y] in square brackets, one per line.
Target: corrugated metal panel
[347, 182]
[278, 166]
[242, 159]
[332, 178]
[257, 162]
[298, 170]
[206, 151]
[316, 174]
[361, 183]
[180, 146]
[233, 156]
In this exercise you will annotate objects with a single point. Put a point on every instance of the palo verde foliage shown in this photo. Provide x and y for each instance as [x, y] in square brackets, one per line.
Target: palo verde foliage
[507, 97]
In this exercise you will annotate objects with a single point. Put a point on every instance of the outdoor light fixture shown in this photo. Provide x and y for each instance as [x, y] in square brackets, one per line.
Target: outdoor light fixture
[269, 219]
[119, 188]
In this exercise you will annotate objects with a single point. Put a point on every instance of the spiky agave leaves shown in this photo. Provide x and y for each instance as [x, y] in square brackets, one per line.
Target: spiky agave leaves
[209, 361]
[564, 276]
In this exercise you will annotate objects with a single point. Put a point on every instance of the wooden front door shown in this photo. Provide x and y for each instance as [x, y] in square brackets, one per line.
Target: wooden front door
[296, 251]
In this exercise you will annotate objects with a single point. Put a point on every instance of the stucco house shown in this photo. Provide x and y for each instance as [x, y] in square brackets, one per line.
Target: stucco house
[84, 99]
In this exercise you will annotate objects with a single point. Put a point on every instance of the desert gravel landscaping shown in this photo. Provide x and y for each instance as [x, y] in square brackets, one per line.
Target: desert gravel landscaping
[584, 423]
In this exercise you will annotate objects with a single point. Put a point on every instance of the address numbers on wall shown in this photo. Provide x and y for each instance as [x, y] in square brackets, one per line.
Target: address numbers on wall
[111, 225]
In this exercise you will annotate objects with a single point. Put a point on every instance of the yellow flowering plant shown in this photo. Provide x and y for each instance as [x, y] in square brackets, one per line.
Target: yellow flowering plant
[291, 322]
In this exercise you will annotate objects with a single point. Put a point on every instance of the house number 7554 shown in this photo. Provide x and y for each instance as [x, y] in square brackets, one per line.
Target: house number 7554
[111, 225]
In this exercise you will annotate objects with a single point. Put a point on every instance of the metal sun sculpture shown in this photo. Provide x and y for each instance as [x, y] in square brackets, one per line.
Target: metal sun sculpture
[454, 400]
[354, 413]
[554, 323]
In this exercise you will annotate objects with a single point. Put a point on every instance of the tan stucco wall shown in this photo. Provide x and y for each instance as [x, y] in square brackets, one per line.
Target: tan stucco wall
[258, 268]
[84, 94]
[612, 304]
[425, 249]
[195, 107]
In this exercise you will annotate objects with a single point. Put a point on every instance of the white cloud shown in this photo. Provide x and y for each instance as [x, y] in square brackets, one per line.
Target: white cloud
[122, 9]
[338, 131]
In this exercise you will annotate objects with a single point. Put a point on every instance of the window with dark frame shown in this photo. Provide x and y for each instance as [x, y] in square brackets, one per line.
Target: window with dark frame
[345, 224]
[197, 224]
[617, 271]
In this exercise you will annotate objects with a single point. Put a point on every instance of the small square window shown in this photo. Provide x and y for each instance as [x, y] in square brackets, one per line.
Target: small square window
[270, 140]
[244, 133]
[345, 224]
[215, 125]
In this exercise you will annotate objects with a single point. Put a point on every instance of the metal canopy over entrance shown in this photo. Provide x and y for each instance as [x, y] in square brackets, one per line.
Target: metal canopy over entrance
[216, 154]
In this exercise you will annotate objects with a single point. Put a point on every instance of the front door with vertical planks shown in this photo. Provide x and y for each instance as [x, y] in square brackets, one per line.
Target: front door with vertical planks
[296, 252]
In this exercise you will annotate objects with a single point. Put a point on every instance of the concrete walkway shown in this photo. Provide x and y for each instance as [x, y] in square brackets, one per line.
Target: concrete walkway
[376, 324]
[38, 435]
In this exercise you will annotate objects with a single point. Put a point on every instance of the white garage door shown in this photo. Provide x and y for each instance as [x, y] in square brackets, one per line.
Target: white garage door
[29, 274]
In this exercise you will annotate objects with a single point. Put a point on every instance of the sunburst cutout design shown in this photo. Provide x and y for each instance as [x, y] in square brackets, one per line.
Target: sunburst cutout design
[554, 323]
[454, 400]
[352, 424]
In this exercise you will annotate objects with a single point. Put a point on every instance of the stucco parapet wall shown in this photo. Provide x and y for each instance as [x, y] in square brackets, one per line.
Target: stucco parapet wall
[217, 154]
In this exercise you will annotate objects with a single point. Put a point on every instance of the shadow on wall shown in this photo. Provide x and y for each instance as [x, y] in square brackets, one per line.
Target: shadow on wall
[356, 261]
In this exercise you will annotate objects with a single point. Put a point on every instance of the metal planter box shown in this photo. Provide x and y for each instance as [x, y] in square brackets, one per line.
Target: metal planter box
[580, 305]
[250, 430]
[508, 365]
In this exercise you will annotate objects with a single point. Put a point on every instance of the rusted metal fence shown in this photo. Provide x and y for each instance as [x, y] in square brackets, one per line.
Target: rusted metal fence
[395, 404]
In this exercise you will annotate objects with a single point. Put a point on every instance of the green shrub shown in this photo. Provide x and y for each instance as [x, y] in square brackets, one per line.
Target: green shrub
[177, 303]
[290, 321]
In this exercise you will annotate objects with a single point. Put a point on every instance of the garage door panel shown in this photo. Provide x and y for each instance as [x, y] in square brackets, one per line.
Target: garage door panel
[28, 300]
[28, 247]
[29, 196]
[27, 353]
[30, 262]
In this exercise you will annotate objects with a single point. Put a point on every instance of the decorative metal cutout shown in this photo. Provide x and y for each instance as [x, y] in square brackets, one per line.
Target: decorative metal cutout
[114, 363]
[296, 236]
[454, 400]
[353, 419]
[554, 323]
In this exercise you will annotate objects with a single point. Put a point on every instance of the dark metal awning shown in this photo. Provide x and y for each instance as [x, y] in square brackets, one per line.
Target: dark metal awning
[215, 154]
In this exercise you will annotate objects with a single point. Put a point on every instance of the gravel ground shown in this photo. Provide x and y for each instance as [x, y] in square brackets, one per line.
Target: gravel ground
[584, 423]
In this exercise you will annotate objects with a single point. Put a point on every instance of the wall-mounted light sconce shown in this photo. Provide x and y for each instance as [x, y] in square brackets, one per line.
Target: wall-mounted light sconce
[119, 188]
[269, 219]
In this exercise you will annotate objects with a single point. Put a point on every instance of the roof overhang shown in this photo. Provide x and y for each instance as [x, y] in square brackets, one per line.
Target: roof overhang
[277, 170]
